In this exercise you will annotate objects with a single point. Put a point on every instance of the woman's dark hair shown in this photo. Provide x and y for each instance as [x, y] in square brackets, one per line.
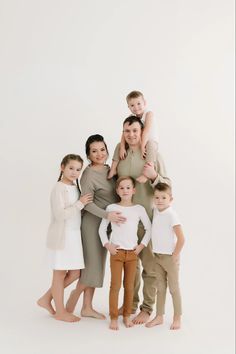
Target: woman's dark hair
[65, 162]
[94, 139]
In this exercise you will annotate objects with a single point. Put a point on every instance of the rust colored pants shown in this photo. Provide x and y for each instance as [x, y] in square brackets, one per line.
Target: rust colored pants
[127, 260]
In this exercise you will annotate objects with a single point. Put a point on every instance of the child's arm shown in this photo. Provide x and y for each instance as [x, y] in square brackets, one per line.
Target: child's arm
[147, 226]
[103, 231]
[180, 241]
[146, 132]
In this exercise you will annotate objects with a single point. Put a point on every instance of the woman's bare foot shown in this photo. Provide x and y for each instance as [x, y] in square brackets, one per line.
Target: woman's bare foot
[46, 304]
[114, 325]
[141, 318]
[158, 320]
[67, 317]
[127, 322]
[92, 313]
[72, 301]
[141, 179]
[176, 323]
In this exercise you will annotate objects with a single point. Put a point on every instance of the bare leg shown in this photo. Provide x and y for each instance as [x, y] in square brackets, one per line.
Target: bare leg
[114, 325]
[74, 297]
[141, 318]
[46, 300]
[87, 308]
[158, 320]
[58, 297]
[176, 323]
[113, 169]
[127, 322]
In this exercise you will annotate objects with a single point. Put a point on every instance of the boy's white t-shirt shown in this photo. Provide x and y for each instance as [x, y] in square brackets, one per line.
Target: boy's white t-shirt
[163, 235]
[125, 235]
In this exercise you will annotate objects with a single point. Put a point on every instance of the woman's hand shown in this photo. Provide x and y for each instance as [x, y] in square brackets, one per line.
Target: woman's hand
[116, 217]
[85, 199]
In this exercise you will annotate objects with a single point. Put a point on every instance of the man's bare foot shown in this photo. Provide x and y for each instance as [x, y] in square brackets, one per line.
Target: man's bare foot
[141, 179]
[158, 320]
[92, 313]
[141, 318]
[176, 323]
[67, 317]
[114, 325]
[72, 301]
[127, 322]
[46, 304]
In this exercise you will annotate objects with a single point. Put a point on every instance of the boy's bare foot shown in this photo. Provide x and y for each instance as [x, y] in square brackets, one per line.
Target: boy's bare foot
[92, 313]
[46, 304]
[127, 322]
[114, 325]
[72, 301]
[141, 318]
[141, 179]
[67, 317]
[158, 320]
[176, 323]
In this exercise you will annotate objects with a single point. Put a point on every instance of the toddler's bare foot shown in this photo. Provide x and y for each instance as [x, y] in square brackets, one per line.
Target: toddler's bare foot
[127, 322]
[158, 320]
[114, 325]
[92, 313]
[67, 317]
[141, 318]
[72, 301]
[176, 323]
[46, 304]
[141, 179]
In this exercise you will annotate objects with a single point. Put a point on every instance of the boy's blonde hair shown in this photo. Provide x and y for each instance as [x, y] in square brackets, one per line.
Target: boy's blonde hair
[134, 94]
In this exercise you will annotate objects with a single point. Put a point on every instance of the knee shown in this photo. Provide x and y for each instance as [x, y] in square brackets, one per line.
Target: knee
[75, 274]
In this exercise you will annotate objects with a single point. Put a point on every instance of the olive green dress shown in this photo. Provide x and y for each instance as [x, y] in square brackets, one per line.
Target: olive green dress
[103, 191]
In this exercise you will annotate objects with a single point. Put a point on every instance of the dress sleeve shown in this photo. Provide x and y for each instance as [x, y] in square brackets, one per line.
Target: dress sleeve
[147, 226]
[60, 211]
[88, 187]
[103, 230]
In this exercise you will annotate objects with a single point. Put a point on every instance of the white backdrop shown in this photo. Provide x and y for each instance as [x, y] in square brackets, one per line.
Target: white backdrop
[66, 67]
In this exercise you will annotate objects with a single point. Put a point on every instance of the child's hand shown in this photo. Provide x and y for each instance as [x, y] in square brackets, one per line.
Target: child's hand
[123, 153]
[175, 258]
[138, 248]
[112, 248]
[85, 199]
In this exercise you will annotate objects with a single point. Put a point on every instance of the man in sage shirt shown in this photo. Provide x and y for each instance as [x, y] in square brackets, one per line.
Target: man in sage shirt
[133, 166]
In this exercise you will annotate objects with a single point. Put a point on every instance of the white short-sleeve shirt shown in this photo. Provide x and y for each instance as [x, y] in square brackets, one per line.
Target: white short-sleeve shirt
[163, 235]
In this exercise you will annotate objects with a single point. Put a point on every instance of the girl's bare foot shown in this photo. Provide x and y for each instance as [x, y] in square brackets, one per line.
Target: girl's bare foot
[158, 320]
[67, 317]
[127, 322]
[114, 325]
[176, 323]
[46, 304]
[72, 301]
[92, 313]
[141, 318]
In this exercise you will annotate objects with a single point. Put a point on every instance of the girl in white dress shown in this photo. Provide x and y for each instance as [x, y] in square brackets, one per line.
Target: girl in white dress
[65, 251]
